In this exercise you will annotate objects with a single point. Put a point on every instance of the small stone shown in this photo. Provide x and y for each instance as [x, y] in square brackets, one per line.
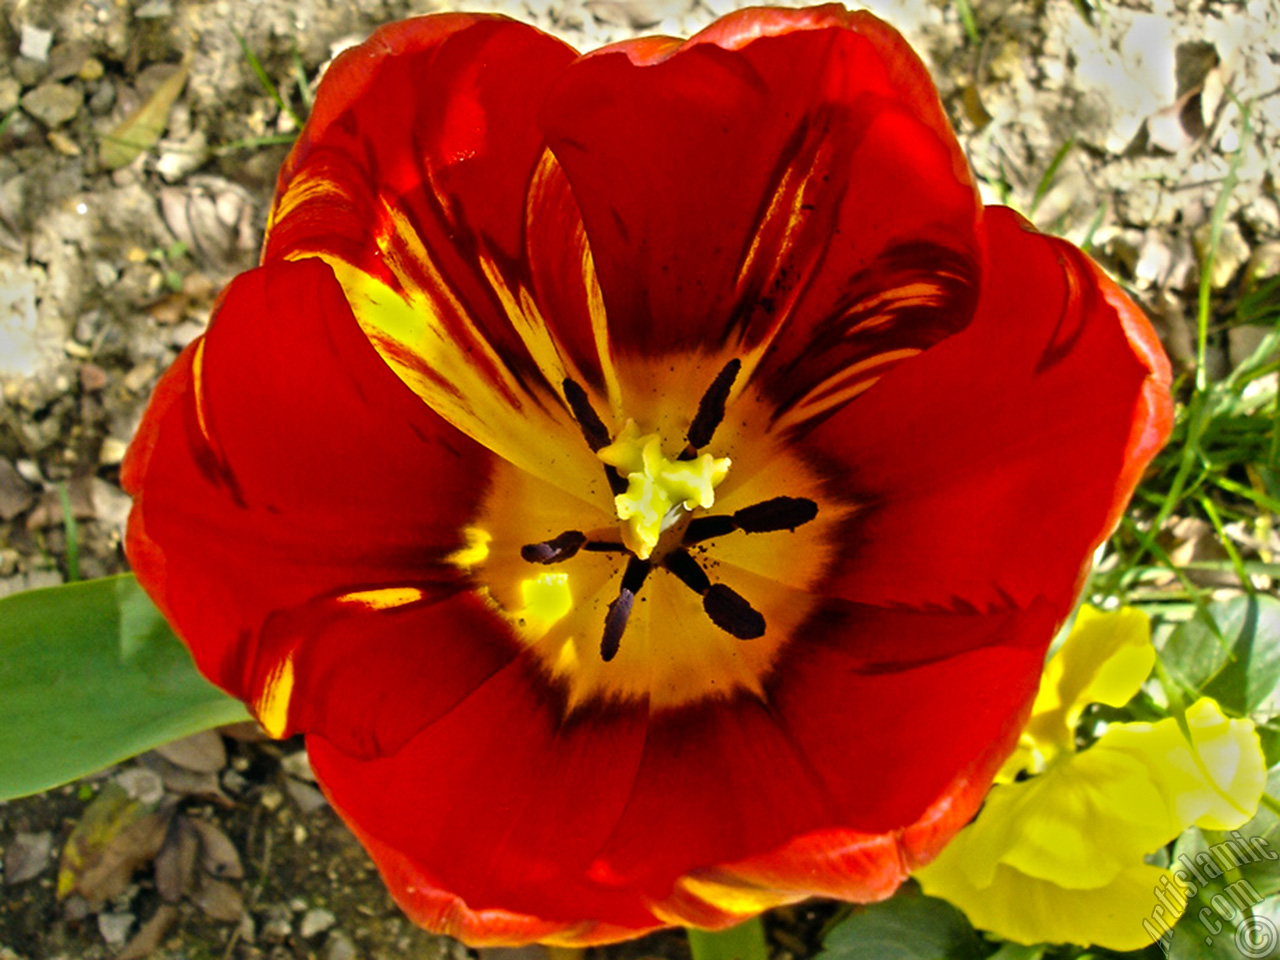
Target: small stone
[29, 72]
[1232, 252]
[27, 856]
[340, 947]
[9, 558]
[307, 797]
[278, 927]
[316, 921]
[297, 765]
[29, 471]
[138, 380]
[66, 59]
[112, 452]
[53, 104]
[93, 378]
[63, 144]
[271, 799]
[115, 927]
[234, 783]
[92, 69]
[10, 92]
[16, 496]
[184, 333]
[141, 784]
[34, 43]
[177, 159]
[154, 10]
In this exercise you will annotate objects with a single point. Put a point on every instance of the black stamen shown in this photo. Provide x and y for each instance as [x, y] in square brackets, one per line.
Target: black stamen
[732, 614]
[556, 549]
[593, 428]
[780, 513]
[725, 606]
[688, 571]
[711, 409]
[615, 621]
[704, 528]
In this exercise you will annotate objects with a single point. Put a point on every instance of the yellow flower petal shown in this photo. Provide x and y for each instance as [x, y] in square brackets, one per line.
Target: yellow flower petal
[1118, 915]
[1217, 786]
[1104, 659]
[1058, 858]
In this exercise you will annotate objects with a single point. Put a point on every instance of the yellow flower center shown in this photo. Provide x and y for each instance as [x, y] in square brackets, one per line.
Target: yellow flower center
[659, 490]
[674, 560]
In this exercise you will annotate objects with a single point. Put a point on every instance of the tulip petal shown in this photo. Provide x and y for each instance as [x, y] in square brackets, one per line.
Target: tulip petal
[503, 804]
[988, 469]
[260, 471]
[819, 279]
[412, 183]
[831, 753]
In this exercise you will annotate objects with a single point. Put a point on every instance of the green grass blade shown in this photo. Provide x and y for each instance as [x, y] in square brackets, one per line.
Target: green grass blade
[72, 533]
[256, 65]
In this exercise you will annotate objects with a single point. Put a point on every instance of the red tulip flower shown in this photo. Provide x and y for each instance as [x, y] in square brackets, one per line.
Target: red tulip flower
[650, 479]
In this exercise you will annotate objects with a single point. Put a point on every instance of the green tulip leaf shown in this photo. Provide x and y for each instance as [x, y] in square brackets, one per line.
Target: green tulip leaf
[91, 674]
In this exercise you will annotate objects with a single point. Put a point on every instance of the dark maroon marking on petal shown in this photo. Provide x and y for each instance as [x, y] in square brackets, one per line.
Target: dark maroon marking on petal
[615, 621]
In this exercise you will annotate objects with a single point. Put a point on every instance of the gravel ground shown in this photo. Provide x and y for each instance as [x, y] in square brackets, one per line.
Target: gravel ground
[1115, 125]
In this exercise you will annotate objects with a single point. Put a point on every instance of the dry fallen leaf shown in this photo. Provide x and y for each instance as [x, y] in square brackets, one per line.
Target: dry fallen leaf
[180, 780]
[176, 861]
[218, 855]
[150, 935]
[219, 900]
[141, 129]
[202, 752]
[114, 837]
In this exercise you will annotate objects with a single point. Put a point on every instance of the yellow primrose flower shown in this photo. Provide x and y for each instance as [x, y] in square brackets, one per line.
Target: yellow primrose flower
[1059, 857]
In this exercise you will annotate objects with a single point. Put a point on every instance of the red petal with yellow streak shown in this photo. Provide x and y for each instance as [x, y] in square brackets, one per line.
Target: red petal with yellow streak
[424, 180]
[279, 461]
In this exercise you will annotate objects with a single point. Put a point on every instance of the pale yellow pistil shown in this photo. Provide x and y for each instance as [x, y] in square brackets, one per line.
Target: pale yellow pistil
[659, 490]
